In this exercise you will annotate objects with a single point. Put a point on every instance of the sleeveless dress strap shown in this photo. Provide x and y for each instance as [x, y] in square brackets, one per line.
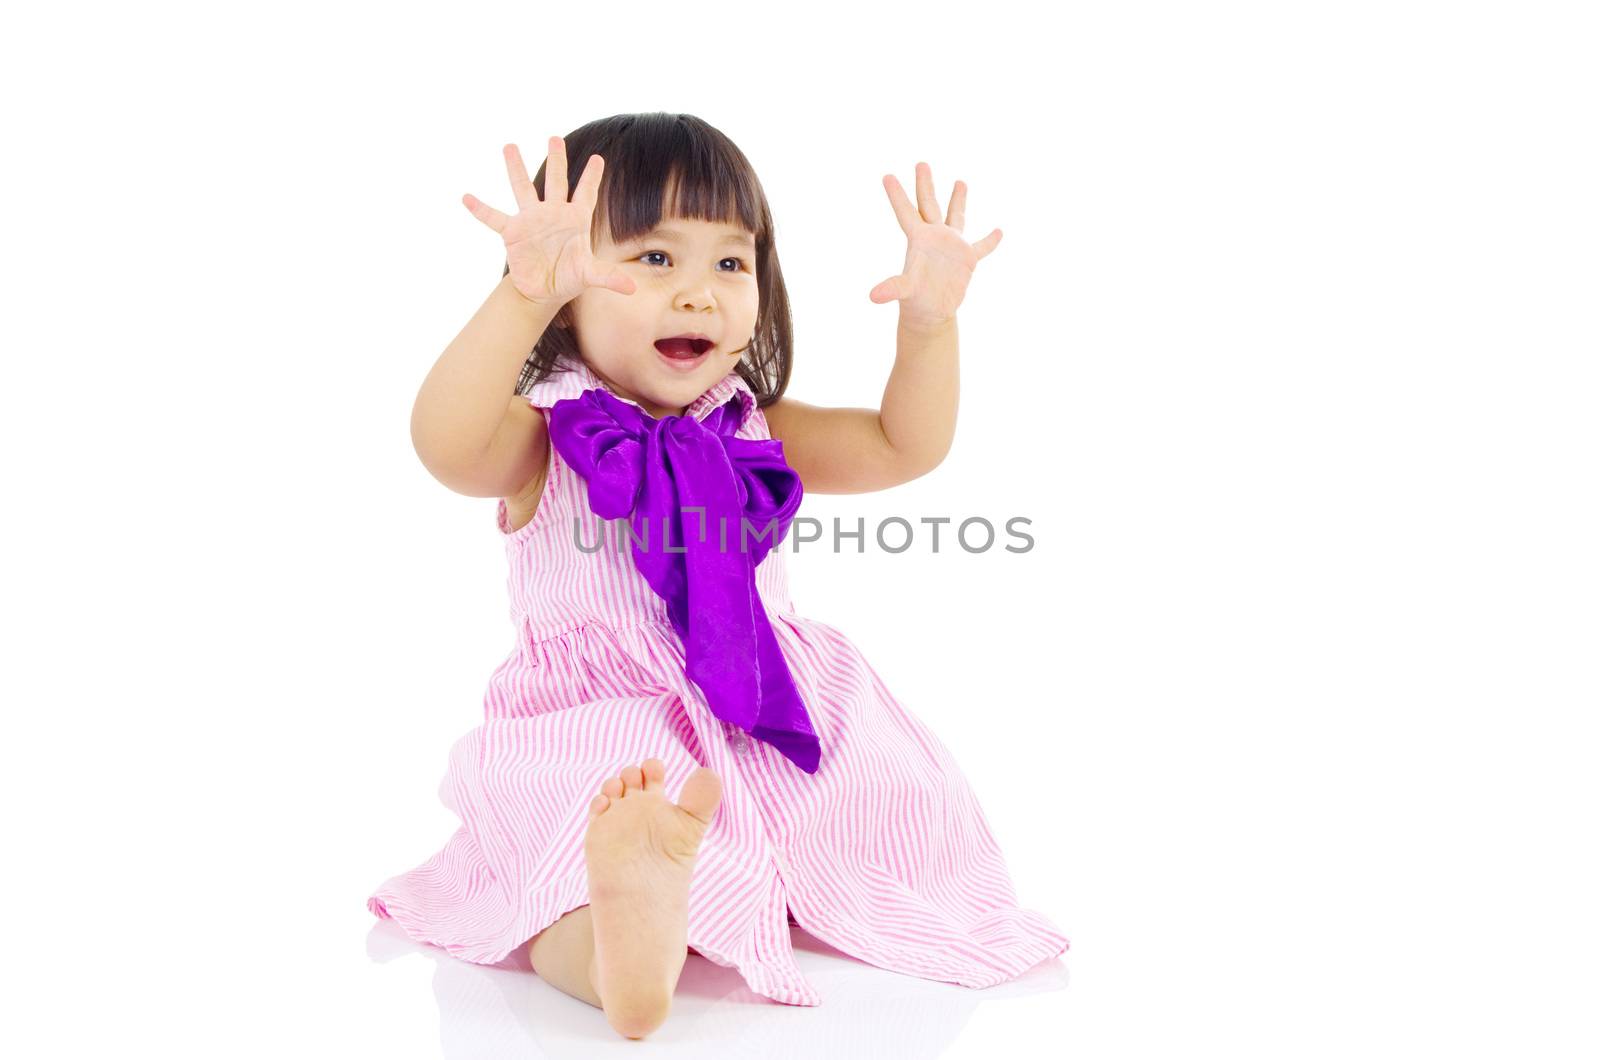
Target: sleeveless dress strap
[567, 381]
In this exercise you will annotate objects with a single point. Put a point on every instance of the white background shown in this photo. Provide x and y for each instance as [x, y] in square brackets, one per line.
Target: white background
[1288, 352]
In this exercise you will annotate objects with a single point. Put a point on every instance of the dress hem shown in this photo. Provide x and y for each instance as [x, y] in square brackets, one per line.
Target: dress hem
[1047, 944]
[764, 979]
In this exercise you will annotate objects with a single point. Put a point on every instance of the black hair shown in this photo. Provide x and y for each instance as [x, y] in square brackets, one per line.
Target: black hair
[711, 180]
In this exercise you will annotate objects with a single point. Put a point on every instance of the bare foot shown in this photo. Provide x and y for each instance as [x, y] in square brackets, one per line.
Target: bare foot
[641, 850]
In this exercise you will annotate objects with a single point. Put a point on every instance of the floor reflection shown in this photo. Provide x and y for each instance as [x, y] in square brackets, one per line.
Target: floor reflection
[506, 1010]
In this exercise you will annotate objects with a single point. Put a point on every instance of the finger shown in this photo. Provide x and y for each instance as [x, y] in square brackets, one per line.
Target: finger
[588, 190]
[888, 291]
[927, 205]
[521, 187]
[485, 213]
[555, 171]
[958, 207]
[611, 279]
[903, 210]
[986, 244]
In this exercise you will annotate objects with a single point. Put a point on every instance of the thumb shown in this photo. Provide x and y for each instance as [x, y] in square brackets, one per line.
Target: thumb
[609, 278]
[889, 290]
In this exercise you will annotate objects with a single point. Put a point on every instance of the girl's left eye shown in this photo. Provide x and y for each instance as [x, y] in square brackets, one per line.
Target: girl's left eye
[738, 261]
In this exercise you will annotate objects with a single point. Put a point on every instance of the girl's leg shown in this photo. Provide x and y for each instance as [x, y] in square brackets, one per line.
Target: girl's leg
[563, 956]
[640, 850]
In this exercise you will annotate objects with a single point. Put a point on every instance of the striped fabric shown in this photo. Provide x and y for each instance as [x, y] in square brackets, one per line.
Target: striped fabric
[884, 853]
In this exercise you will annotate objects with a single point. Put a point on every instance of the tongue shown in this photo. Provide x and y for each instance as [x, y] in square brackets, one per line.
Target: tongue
[676, 347]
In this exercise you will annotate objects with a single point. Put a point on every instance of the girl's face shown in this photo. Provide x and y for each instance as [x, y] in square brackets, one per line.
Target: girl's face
[692, 277]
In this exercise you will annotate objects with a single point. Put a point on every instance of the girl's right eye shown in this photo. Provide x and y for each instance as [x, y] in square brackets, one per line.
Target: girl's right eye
[651, 253]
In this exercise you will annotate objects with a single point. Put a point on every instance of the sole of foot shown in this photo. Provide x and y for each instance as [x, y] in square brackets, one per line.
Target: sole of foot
[641, 848]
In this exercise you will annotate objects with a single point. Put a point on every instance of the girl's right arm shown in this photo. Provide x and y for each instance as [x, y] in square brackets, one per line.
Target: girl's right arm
[461, 426]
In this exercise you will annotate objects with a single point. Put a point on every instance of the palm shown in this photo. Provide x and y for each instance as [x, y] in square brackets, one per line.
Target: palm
[548, 251]
[939, 265]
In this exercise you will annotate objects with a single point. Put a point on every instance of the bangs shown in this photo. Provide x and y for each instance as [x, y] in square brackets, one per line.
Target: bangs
[658, 167]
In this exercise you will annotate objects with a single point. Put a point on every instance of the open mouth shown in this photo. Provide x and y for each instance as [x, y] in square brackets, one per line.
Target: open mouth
[684, 347]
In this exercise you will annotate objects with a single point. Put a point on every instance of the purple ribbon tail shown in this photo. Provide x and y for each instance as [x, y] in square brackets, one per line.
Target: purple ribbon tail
[784, 722]
[701, 567]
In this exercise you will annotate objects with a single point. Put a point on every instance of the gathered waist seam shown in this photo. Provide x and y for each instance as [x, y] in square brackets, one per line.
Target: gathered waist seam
[525, 623]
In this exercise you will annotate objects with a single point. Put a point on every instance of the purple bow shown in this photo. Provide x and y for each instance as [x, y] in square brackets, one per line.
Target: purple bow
[652, 470]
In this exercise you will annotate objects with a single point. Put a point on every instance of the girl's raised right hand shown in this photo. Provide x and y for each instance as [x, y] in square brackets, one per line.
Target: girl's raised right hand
[548, 241]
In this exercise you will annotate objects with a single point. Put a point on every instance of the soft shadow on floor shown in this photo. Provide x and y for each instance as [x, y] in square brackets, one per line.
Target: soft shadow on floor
[506, 1010]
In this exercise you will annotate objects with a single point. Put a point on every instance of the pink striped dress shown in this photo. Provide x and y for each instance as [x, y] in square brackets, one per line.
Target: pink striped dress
[883, 853]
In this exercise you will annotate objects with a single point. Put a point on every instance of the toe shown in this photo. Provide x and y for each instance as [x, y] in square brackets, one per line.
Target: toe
[633, 778]
[701, 794]
[612, 787]
[655, 774]
[598, 805]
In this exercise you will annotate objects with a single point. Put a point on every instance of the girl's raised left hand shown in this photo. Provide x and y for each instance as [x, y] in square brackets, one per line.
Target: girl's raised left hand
[939, 260]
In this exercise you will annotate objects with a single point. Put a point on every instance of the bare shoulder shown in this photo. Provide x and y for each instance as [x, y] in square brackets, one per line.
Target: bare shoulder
[836, 450]
[786, 416]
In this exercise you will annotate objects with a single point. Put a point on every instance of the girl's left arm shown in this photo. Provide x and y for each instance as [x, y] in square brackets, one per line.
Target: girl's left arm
[859, 450]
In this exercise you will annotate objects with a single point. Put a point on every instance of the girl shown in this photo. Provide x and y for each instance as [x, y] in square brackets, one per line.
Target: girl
[658, 321]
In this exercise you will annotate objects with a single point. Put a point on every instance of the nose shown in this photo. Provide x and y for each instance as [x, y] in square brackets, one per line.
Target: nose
[694, 293]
